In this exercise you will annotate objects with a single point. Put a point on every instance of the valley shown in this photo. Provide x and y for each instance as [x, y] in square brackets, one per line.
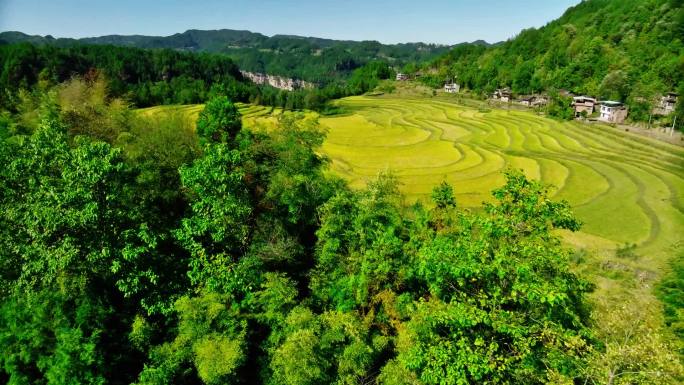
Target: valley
[616, 182]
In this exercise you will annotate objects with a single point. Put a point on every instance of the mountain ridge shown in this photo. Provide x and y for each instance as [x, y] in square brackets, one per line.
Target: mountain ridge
[313, 59]
[19, 36]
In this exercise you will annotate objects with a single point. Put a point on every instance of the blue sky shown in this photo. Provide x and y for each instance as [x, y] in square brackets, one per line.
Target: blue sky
[434, 21]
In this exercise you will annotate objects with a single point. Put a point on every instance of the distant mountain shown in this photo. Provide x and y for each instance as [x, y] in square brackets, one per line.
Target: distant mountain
[189, 40]
[309, 58]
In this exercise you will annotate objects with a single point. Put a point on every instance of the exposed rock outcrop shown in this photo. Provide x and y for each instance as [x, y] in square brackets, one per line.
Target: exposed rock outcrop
[277, 81]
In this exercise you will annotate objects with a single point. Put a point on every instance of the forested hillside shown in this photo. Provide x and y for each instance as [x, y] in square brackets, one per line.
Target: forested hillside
[148, 77]
[317, 60]
[628, 50]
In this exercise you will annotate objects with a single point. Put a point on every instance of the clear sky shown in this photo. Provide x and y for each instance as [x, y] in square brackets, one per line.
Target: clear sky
[433, 21]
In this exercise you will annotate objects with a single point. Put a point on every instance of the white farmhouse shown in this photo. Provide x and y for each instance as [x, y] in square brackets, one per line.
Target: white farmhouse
[452, 88]
[612, 112]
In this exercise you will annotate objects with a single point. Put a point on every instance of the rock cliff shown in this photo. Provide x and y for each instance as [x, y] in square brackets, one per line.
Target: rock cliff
[277, 81]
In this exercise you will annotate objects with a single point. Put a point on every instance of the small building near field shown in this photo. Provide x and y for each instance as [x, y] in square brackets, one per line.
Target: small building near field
[533, 100]
[612, 112]
[583, 104]
[452, 88]
[502, 95]
[667, 103]
[527, 100]
[539, 101]
[402, 76]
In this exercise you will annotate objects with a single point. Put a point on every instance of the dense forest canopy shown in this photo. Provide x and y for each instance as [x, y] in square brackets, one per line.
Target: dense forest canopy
[321, 61]
[162, 76]
[631, 51]
[151, 77]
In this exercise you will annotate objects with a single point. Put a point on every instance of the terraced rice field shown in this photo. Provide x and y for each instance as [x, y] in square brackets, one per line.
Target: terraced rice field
[625, 188]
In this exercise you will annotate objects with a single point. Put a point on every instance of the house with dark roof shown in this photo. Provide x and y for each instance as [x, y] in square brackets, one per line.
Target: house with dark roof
[502, 94]
[527, 100]
[540, 101]
[667, 104]
[583, 104]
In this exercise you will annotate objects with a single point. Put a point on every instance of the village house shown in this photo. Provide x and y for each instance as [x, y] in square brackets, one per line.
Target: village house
[533, 100]
[540, 101]
[401, 76]
[502, 94]
[613, 112]
[667, 103]
[527, 100]
[452, 88]
[583, 104]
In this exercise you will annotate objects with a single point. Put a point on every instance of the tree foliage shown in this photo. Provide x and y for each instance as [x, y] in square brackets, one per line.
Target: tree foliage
[219, 121]
[154, 254]
[316, 60]
[164, 76]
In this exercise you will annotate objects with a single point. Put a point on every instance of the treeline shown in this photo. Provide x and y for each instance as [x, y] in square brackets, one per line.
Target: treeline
[161, 76]
[321, 61]
[631, 51]
[148, 251]
[145, 77]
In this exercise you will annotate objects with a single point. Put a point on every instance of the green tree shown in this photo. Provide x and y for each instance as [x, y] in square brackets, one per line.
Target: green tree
[360, 246]
[560, 107]
[333, 347]
[51, 337]
[209, 344]
[443, 196]
[500, 302]
[614, 86]
[218, 228]
[219, 121]
[632, 350]
[65, 208]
